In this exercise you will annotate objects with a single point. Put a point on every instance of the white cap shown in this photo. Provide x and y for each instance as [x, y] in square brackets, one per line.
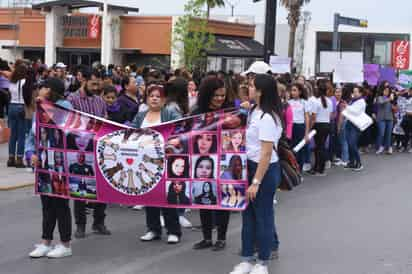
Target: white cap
[61, 65]
[258, 67]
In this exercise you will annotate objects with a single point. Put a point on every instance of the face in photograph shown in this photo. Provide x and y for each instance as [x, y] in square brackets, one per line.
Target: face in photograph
[234, 120]
[178, 193]
[81, 163]
[178, 167]
[233, 196]
[177, 145]
[59, 185]
[204, 193]
[234, 141]
[235, 169]
[56, 161]
[44, 138]
[204, 167]
[43, 162]
[205, 144]
[82, 141]
[183, 126]
[44, 183]
[207, 121]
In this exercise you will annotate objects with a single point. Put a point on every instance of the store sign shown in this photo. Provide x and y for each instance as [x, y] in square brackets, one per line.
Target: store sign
[81, 26]
[400, 54]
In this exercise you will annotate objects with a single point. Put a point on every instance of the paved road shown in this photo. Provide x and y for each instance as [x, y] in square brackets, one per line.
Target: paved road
[346, 223]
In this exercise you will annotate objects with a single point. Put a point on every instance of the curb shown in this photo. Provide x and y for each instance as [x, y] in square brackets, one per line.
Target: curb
[8, 188]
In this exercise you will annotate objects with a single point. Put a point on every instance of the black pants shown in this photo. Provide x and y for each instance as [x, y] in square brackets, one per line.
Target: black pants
[221, 221]
[56, 210]
[321, 155]
[80, 213]
[171, 220]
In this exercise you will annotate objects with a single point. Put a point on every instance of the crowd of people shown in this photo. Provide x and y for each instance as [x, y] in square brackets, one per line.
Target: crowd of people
[280, 106]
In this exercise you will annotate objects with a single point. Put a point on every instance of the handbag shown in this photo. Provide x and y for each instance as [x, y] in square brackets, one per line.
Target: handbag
[4, 132]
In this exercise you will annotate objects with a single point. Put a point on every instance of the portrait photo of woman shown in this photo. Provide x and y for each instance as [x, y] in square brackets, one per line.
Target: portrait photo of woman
[177, 193]
[59, 185]
[56, 161]
[177, 145]
[204, 193]
[235, 170]
[205, 144]
[233, 196]
[204, 167]
[178, 167]
[82, 141]
[207, 121]
[233, 141]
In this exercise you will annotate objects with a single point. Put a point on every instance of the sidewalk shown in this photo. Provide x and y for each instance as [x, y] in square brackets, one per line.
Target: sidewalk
[12, 178]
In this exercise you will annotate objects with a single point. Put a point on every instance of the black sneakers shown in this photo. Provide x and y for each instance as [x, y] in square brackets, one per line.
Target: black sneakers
[203, 245]
[219, 245]
[101, 229]
[358, 167]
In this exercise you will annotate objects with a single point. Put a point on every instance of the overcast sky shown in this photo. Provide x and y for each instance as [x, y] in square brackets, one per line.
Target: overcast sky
[396, 12]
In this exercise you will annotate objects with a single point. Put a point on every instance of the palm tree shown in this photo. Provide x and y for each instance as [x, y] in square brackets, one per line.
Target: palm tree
[294, 8]
[212, 4]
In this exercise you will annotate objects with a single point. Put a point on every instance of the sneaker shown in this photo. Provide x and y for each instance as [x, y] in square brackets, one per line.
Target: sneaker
[184, 222]
[306, 167]
[401, 149]
[390, 151]
[349, 166]
[80, 232]
[172, 239]
[150, 236]
[242, 268]
[328, 164]
[219, 245]
[138, 207]
[380, 151]
[162, 221]
[203, 245]
[319, 174]
[358, 167]
[312, 172]
[338, 163]
[60, 251]
[101, 229]
[41, 250]
[259, 269]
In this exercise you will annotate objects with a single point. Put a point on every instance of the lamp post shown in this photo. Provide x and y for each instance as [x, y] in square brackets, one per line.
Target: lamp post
[270, 28]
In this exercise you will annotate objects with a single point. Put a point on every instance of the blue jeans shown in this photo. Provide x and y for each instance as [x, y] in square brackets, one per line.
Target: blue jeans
[384, 134]
[344, 149]
[352, 134]
[17, 125]
[258, 220]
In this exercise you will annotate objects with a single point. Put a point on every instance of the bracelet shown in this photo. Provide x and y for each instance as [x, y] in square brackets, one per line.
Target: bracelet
[256, 182]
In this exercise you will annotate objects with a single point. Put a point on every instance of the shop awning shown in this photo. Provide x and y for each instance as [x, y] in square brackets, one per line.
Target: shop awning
[232, 46]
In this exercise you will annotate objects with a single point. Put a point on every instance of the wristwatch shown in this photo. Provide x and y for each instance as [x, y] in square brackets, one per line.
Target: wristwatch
[256, 182]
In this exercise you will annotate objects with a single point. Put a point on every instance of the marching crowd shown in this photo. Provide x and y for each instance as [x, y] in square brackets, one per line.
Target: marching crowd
[280, 106]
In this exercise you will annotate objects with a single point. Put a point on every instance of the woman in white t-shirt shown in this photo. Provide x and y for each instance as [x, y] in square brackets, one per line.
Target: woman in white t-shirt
[321, 115]
[263, 132]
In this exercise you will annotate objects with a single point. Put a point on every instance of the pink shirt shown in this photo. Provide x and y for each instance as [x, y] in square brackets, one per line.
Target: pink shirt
[288, 116]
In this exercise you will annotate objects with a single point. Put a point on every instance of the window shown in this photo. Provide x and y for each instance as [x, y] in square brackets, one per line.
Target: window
[382, 52]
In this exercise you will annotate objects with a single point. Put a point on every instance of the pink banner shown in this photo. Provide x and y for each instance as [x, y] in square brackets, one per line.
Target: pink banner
[196, 162]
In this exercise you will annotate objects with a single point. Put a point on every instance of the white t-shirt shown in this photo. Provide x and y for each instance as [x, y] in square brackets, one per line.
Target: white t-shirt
[299, 108]
[312, 101]
[261, 129]
[16, 91]
[322, 114]
[145, 123]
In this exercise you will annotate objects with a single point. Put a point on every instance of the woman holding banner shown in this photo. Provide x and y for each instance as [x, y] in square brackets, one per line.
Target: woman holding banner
[54, 209]
[155, 115]
[263, 132]
[212, 97]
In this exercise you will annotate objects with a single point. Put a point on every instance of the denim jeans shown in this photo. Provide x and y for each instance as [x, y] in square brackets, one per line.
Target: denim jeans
[258, 220]
[298, 133]
[352, 134]
[384, 134]
[17, 125]
[344, 149]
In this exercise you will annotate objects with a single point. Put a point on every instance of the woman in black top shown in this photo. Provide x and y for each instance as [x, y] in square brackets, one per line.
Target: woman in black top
[212, 97]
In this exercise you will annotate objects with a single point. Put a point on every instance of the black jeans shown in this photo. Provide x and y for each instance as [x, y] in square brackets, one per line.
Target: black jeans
[56, 210]
[221, 221]
[171, 220]
[80, 213]
[321, 155]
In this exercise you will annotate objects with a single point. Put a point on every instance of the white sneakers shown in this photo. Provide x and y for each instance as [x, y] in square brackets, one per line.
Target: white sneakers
[184, 222]
[149, 236]
[138, 207]
[172, 239]
[328, 164]
[380, 151]
[59, 251]
[306, 167]
[248, 268]
[162, 221]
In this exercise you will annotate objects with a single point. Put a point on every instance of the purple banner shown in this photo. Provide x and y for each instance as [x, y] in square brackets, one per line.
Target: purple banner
[196, 162]
[371, 74]
[387, 74]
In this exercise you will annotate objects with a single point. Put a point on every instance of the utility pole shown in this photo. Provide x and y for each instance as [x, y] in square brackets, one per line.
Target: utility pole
[270, 28]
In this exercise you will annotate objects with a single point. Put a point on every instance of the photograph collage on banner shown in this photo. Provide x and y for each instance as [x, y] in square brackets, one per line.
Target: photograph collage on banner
[206, 162]
[66, 165]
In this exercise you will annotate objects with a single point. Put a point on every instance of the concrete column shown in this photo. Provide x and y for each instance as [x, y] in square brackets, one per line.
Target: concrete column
[110, 35]
[54, 33]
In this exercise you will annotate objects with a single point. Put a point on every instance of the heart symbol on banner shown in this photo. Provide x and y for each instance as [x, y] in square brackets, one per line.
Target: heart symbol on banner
[129, 161]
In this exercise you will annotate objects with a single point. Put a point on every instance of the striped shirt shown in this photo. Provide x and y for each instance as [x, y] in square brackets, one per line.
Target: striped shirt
[93, 105]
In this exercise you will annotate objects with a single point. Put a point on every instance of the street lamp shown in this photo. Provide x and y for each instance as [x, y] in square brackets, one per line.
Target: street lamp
[270, 28]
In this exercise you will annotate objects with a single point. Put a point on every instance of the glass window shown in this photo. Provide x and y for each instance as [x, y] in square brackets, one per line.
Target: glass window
[382, 52]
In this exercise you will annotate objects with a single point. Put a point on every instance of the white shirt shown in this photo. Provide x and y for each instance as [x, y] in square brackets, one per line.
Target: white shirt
[312, 104]
[261, 129]
[16, 91]
[145, 123]
[299, 108]
[322, 113]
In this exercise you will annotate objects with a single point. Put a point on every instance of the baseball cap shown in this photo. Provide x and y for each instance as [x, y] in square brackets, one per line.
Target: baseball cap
[258, 67]
[61, 65]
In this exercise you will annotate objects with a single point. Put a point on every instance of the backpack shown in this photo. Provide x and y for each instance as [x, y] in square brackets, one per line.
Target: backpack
[291, 175]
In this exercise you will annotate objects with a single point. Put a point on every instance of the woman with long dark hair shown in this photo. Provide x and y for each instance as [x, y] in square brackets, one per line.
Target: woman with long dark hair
[176, 95]
[176, 194]
[212, 97]
[384, 119]
[263, 132]
[207, 196]
[321, 116]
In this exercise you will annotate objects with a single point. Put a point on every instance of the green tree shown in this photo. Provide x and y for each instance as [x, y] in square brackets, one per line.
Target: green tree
[294, 8]
[191, 36]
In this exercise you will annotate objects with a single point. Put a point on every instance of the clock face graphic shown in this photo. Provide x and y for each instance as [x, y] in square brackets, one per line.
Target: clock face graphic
[132, 160]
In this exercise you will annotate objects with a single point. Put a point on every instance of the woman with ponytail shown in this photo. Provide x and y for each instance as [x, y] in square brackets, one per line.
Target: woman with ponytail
[321, 117]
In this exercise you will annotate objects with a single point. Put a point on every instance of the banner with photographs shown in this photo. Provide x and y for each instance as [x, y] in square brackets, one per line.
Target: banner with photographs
[196, 162]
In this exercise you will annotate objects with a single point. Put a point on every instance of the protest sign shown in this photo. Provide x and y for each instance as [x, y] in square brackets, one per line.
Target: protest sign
[349, 68]
[196, 162]
[280, 64]
[387, 74]
[371, 74]
[405, 78]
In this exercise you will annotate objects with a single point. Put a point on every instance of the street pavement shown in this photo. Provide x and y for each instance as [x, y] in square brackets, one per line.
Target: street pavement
[11, 178]
[345, 223]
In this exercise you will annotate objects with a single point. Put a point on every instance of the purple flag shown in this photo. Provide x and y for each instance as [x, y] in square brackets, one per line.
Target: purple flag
[371, 74]
[388, 74]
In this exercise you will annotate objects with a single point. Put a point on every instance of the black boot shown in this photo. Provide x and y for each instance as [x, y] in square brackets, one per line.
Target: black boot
[19, 162]
[11, 162]
[101, 229]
